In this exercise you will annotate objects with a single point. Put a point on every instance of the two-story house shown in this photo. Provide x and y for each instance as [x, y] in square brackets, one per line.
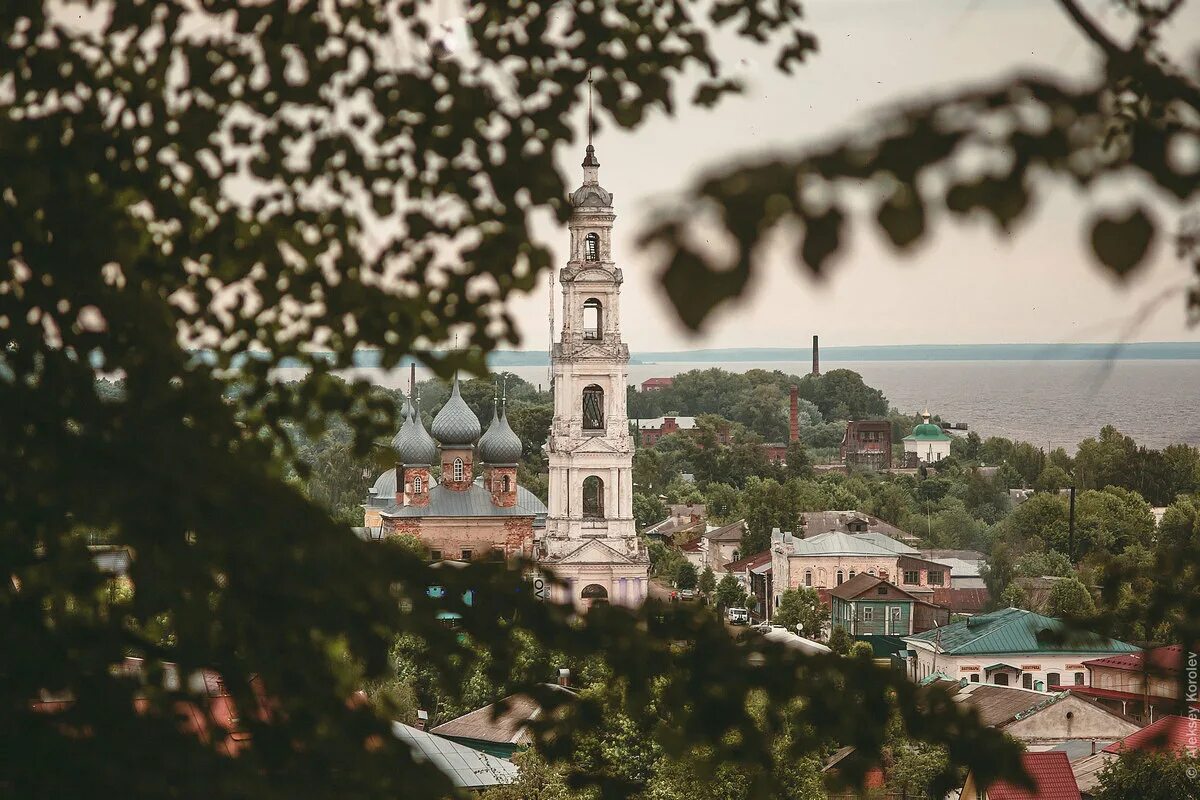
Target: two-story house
[869, 605]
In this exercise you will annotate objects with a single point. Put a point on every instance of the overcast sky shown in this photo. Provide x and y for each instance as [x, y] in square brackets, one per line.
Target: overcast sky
[1037, 286]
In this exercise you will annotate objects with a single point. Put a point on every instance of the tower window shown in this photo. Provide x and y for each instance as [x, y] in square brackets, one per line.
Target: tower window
[593, 497]
[506, 484]
[593, 408]
[417, 484]
[459, 470]
[591, 247]
[593, 319]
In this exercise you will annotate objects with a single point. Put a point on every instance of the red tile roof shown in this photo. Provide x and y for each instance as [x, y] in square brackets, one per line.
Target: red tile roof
[1169, 734]
[1051, 773]
[691, 546]
[1162, 661]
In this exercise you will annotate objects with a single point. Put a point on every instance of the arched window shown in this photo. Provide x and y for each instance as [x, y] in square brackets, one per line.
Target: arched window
[593, 497]
[593, 408]
[808, 577]
[591, 247]
[852, 573]
[458, 469]
[506, 484]
[871, 571]
[736, 555]
[417, 484]
[594, 594]
[841, 577]
[593, 320]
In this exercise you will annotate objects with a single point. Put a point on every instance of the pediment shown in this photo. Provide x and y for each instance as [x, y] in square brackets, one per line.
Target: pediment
[595, 552]
[595, 444]
[595, 274]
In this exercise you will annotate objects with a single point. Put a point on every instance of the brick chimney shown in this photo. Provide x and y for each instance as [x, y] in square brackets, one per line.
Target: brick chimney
[564, 677]
[794, 416]
[422, 720]
[816, 357]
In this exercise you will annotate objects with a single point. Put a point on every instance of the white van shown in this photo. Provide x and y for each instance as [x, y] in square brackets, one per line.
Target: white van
[738, 616]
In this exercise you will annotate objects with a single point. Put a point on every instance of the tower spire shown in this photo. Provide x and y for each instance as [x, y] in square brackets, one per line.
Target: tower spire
[589, 159]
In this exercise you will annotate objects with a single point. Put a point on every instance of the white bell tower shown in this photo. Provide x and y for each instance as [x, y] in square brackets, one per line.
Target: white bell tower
[590, 539]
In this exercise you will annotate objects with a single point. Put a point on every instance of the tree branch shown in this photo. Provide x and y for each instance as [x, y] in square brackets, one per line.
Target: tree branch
[1092, 30]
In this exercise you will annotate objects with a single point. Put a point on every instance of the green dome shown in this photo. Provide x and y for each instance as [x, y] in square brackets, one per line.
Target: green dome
[927, 430]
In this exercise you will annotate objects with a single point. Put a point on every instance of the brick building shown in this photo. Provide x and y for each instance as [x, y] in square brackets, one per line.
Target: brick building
[464, 515]
[867, 443]
[651, 430]
[651, 384]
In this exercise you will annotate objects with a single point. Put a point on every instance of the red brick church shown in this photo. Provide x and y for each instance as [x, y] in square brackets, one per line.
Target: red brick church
[474, 509]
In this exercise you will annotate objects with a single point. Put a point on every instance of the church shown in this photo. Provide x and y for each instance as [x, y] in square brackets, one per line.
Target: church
[461, 517]
[587, 536]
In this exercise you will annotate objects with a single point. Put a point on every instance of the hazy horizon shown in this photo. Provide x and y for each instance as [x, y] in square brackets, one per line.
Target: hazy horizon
[965, 285]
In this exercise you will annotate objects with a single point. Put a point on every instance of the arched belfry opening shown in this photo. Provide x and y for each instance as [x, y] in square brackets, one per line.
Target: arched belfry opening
[594, 594]
[593, 408]
[591, 247]
[593, 319]
[593, 497]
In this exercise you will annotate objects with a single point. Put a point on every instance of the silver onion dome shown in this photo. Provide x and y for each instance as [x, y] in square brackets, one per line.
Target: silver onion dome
[456, 424]
[500, 445]
[414, 445]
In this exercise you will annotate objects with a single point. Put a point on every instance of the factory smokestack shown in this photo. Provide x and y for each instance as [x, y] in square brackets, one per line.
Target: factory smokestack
[794, 419]
[816, 357]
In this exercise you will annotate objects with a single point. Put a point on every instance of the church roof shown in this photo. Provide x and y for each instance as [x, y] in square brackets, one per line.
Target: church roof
[927, 432]
[474, 501]
[456, 424]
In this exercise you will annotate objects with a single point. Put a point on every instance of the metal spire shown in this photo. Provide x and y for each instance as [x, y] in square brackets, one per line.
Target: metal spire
[589, 120]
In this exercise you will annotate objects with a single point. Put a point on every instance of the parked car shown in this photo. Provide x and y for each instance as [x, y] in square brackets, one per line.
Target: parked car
[738, 616]
[687, 594]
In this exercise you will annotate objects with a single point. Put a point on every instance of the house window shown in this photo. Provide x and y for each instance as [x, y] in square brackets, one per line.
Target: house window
[593, 408]
[1079, 679]
[592, 320]
[852, 574]
[808, 577]
[591, 247]
[1053, 679]
[466, 555]
[459, 471]
[417, 483]
[912, 577]
[593, 497]
[868, 614]
[975, 678]
[935, 577]
[840, 577]
[1027, 681]
[435, 555]
[881, 590]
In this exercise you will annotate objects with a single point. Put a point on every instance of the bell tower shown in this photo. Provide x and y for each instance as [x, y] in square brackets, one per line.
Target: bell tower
[590, 537]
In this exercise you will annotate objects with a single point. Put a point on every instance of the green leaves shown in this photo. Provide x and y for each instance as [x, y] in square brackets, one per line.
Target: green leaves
[1121, 242]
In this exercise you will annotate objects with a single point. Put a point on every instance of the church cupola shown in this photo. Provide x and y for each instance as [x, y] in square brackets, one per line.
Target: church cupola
[416, 452]
[500, 451]
[456, 429]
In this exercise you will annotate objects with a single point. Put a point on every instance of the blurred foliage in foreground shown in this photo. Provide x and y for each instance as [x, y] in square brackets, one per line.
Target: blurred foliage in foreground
[268, 178]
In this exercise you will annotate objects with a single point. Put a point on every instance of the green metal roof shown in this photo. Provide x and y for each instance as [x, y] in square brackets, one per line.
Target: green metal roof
[927, 432]
[1015, 630]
